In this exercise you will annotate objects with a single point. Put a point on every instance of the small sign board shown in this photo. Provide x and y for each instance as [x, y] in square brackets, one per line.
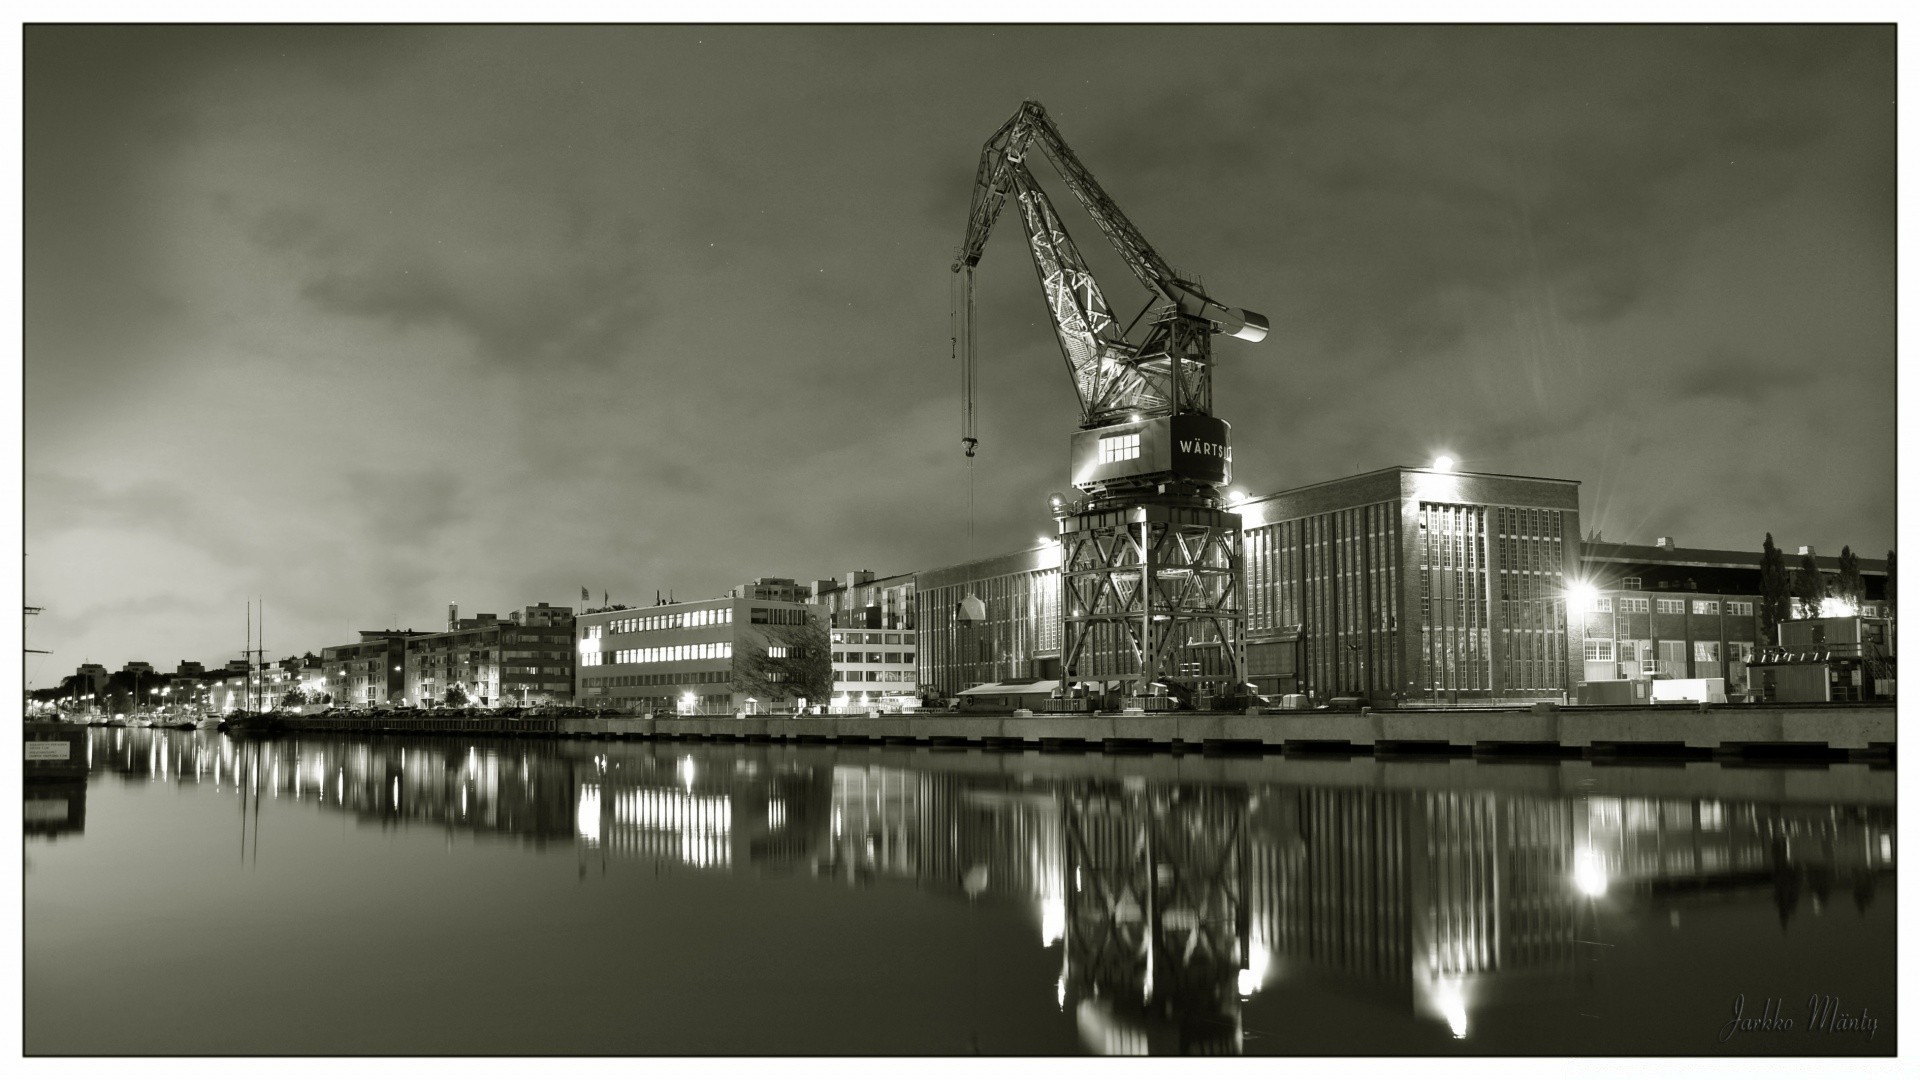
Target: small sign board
[49, 751]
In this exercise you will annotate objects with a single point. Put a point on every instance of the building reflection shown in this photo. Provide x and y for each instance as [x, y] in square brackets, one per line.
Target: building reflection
[1171, 904]
[52, 809]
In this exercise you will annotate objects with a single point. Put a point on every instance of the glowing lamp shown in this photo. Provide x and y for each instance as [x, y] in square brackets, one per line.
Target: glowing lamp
[1443, 463]
[1581, 596]
[1589, 873]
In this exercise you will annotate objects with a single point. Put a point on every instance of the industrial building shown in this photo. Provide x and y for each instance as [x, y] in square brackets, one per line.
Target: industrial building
[1415, 585]
[688, 657]
[1018, 639]
[1661, 611]
[1847, 658]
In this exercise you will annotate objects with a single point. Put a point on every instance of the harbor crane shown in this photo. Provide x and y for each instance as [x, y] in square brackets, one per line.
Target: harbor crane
[1150, 573]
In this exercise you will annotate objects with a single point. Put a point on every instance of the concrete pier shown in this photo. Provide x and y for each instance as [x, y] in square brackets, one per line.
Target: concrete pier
[1861, 732]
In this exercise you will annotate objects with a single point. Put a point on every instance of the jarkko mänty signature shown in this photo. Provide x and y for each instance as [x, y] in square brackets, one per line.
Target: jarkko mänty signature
[1825, 1016]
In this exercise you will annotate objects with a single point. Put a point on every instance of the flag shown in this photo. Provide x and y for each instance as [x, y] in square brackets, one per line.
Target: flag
[584, 597]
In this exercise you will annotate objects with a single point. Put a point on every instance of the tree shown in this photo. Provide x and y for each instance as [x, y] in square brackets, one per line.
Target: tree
[1809, 585]
[295, 696]
[1847, 584]
[797, 661]
[456, 697]
[1775, 588]
[1889, 583]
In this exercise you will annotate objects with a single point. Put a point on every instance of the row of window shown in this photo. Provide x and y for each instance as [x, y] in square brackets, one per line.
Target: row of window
[855, 637]
[873, 676]
[872, 658]
[666, 654]
[1637, 605]
[664, 678]
[1644, 650]
[677, 620]
[781, 616]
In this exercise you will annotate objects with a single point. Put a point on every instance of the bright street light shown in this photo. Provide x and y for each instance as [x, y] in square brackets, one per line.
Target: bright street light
[1443, 463]
[1581, 596]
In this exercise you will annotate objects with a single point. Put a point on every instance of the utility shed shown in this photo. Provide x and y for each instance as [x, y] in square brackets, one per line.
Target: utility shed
[1007, 696]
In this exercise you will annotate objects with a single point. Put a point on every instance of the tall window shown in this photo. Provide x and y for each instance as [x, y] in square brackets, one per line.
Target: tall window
[1453, 598]
[1706, 607]
[1672, 658]
[1670, 607]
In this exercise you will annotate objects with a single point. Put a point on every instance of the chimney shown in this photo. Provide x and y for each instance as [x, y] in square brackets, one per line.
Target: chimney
[453, 616]
[1664, 542]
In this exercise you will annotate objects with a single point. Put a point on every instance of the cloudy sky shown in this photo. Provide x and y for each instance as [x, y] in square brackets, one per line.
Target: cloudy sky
[363, 321]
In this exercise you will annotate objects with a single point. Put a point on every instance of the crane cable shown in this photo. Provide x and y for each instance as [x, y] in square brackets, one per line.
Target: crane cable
[960, 327]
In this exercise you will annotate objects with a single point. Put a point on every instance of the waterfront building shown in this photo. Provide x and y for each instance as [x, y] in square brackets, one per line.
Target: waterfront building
[859, 599]
[694, 656]
[1663, 612]
[367, 672]
[875, 669]
[1422, 585]
[526, 658]
[90, 685]
[1019, 637]
[785, 590]
[875, 662]
[1842, 658]
[1419, 585]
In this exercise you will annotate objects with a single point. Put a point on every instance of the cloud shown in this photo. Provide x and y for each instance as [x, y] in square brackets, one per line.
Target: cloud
[579, 296]
[1745, 379]
[408, 509]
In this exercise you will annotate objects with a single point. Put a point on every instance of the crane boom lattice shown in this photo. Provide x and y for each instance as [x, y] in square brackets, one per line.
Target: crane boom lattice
[1150, 582]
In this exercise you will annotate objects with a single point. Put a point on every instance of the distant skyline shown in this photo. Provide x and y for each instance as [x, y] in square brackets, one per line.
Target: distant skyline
[364, 320]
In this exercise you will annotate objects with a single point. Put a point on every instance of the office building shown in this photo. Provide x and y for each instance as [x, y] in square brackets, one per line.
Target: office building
[859, 599]
[785, 590]
[875, 669]
[875, 663]
[695, 656]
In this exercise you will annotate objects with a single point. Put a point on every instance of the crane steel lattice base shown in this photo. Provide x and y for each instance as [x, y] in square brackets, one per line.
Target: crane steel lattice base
[1150, 593]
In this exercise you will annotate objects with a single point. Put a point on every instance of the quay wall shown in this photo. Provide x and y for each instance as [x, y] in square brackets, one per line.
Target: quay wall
[1866, 731]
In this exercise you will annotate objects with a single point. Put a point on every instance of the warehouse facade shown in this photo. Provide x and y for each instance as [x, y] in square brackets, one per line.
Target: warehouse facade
[1412, 585]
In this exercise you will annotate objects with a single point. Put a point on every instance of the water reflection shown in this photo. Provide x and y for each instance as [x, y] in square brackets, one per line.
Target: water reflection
[1171, 902]
[54, 808]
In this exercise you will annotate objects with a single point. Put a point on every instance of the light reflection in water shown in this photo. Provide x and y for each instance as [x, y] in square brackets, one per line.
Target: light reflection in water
[1173, 904]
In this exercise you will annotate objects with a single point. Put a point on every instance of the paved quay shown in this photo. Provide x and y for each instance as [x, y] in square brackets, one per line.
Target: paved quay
[1859, 732]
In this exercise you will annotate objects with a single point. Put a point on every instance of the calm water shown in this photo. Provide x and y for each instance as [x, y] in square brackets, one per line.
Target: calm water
[367, 895]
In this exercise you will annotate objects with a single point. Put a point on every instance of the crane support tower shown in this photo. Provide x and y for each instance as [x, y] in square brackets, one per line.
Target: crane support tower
[1150, 576]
